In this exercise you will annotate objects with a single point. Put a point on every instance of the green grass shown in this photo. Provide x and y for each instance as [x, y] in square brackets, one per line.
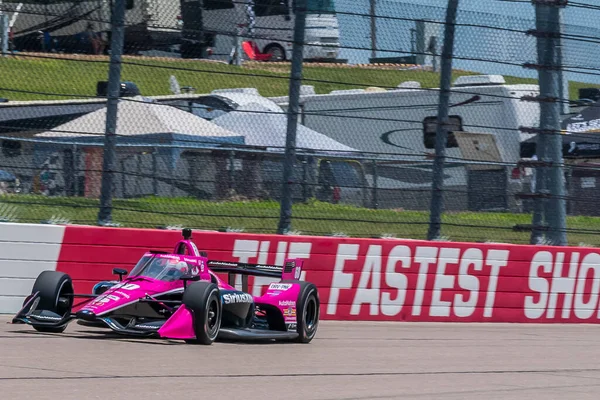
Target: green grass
[76, 78]
[79, 78]
[313, 218]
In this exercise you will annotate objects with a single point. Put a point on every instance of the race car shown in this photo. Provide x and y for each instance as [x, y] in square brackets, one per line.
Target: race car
[180, 296]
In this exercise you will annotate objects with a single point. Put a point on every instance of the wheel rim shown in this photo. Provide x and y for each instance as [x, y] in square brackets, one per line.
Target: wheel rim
[212, 317]
[310, 315]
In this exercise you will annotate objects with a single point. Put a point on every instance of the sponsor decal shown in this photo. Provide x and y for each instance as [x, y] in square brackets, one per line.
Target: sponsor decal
[126, 295]
[153, 327]
[287, 303]
[234, 298]
[196, 252]
[105, 299]
[223, 264]
[280, 286]
[291, 327]
[289, 312]
[275, 268]
[130, 286]
[578, 127]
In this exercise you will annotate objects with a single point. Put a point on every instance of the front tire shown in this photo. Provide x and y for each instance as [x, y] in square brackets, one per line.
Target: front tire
[203, 301]
[56, 296]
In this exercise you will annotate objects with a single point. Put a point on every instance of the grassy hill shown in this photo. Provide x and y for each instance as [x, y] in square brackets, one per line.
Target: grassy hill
[311, 218]
[29, 78]
[45, 77]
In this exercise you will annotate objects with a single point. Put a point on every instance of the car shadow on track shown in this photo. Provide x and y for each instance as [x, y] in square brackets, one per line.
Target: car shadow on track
[109, 335]
[96, 335]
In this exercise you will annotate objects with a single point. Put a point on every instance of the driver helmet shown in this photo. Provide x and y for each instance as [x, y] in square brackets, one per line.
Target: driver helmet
[157, 266]
[182, 267]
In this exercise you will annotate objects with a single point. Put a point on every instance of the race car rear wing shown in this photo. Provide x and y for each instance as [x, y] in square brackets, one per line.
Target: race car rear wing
[291, 269]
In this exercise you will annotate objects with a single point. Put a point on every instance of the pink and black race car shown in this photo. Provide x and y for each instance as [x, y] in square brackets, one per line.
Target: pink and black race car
[179, 296]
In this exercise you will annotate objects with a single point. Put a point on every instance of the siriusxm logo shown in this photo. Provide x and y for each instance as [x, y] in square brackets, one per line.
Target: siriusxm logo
[234, 298]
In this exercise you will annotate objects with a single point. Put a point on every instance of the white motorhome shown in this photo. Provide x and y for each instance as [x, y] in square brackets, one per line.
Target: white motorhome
[400, 125]
[273, 26]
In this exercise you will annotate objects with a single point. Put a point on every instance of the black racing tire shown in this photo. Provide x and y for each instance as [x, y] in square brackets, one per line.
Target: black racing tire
[277, 52]
[308, 311]
[202, 299]
[56, 295]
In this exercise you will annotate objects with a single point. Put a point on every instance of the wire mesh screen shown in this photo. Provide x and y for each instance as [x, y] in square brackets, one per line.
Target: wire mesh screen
[202, 117]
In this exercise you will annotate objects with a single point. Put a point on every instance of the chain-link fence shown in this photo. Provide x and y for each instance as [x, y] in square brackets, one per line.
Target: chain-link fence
[202, 120]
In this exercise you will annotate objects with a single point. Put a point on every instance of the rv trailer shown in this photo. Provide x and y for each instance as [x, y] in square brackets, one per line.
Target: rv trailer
[399, 125]
[68, 25]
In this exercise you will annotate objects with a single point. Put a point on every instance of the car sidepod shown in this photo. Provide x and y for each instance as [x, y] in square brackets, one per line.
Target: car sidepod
[298, 304]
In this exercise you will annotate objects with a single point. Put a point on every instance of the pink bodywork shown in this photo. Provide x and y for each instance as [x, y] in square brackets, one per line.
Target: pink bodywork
[282, 295]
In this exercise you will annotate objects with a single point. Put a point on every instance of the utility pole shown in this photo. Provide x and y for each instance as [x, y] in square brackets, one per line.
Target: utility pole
[285, 218]
[373, 13]
[548, 32]
[441, 136]
[114, 89]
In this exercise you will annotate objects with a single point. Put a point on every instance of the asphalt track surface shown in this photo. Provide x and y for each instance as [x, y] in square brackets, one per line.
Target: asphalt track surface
[347, 360]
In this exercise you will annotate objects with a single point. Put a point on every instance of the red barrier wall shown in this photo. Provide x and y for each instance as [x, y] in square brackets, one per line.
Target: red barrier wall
[377, 279]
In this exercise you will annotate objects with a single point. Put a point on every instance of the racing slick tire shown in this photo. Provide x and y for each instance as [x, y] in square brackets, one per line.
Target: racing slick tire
[203, 301]
[308, 311]
[56, 295]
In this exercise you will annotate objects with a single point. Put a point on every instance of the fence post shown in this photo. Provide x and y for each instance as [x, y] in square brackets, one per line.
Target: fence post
[285, 217]
[564, 81]
[5, 24]
[373, 10]
[375, 200]
[231, 175]
[441, 136]
[114, 88]
[154, 171]
[548, 31]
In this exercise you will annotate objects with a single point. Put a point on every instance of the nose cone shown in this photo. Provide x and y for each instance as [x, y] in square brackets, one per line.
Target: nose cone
[86, 315]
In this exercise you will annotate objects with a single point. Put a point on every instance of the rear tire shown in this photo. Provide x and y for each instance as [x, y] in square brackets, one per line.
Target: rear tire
[203, 301]
[56, 295]
[308, 311]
